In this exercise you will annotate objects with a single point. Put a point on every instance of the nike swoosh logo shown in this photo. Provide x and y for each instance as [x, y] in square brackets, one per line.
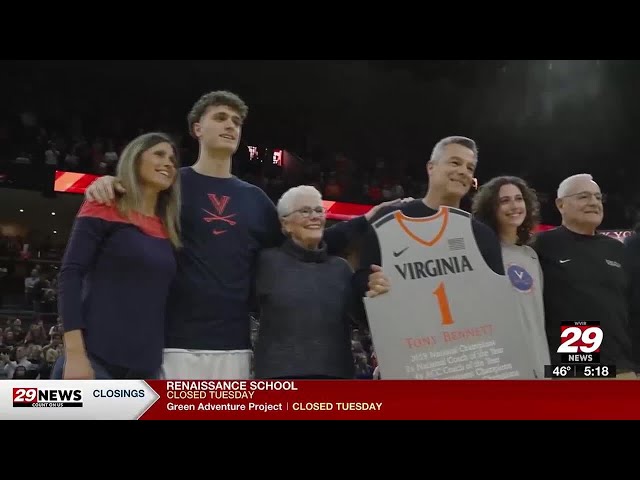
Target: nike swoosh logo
[397, 254]
[565, 261]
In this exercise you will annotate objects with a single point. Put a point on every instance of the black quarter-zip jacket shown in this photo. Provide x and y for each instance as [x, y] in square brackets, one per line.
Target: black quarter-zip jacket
[586, 279]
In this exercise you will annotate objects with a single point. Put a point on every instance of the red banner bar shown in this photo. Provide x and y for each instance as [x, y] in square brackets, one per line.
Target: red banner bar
[73, 182]
[396, 400]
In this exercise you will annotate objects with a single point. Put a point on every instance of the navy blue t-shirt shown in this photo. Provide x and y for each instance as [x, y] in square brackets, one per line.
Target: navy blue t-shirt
[225, 222]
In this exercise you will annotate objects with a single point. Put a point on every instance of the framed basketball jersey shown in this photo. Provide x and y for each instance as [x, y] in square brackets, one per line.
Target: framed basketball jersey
[447, 314]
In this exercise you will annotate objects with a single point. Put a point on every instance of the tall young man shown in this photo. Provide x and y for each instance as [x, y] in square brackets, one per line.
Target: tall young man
[225, 222]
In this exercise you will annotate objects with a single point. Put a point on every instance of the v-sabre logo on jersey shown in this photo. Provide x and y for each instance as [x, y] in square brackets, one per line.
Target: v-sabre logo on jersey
[434, 267]
[46, 397]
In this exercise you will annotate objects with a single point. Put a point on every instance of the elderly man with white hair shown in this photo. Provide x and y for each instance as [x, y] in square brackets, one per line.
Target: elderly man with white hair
[585, 277]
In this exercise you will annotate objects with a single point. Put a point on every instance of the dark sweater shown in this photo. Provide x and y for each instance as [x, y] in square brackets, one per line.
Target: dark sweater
[113, 286]
[585, 279]
[304, 301]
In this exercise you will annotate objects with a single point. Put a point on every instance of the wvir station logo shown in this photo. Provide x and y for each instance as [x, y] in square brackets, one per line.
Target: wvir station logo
[47, 398]
[579, 351]
[580, 342]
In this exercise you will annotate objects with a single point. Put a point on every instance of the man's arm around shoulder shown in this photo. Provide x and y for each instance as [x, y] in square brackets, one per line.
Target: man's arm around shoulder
[369, 255]
[340, 235]
[489, 246]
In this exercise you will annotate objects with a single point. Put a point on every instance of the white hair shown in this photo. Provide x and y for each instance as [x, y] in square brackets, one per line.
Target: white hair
[566, 184]
[288, 198]
[438, 150]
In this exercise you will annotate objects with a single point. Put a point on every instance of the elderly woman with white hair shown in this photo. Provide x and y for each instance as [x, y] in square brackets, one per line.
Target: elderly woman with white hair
[305, 298]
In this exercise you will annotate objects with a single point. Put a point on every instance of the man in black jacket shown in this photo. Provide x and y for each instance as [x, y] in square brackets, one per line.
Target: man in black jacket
[585, 277]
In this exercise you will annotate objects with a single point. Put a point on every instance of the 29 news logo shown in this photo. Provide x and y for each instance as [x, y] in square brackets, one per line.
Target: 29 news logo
[46, 398]
[580, 342]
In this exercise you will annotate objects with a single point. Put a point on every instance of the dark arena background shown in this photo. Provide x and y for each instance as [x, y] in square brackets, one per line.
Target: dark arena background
[360, 131]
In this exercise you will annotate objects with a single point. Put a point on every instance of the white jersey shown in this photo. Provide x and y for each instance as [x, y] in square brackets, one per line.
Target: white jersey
[447, 315]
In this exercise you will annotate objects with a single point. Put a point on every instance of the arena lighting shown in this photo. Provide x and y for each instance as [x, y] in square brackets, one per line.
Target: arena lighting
[277, 157]
[274, 156]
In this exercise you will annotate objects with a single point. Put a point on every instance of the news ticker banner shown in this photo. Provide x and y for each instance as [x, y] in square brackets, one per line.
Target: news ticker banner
[320, 400]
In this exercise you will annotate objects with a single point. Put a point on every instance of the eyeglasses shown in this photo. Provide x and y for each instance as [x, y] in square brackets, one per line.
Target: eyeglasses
[307, 211]
[585, 196]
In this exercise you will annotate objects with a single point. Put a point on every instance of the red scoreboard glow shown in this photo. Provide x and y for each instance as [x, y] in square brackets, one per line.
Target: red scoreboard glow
[73, 182]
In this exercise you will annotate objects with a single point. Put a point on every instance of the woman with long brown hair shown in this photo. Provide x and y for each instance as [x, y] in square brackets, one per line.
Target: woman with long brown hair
[511, 208]
[117, 269]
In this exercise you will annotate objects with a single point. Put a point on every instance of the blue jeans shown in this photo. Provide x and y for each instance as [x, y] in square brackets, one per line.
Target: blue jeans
[105, 371]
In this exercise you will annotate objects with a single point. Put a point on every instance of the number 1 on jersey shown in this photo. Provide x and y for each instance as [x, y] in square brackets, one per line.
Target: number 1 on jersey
[443, 303]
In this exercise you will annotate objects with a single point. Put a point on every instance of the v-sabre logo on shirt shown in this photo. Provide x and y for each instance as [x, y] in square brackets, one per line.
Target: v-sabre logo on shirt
[219, 205]
[520, 278]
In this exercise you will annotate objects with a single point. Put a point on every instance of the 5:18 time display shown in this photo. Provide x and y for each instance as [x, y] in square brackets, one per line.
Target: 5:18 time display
[596, 371]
